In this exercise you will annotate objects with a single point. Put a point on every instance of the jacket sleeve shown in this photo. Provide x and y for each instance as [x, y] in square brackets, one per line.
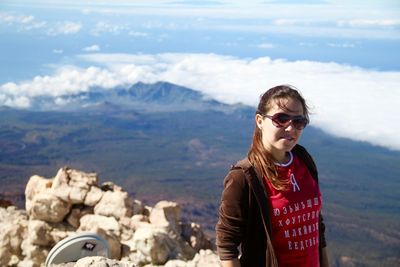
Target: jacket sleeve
[231, 225]
[322, 240]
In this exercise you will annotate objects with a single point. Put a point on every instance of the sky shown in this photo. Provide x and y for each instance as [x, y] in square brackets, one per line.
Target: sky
[343, 56]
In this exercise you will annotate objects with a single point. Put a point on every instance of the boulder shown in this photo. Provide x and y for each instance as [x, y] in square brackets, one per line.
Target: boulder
[72, 186]
[76, 213]
[74, 202]
[176, 263]
[110, 186]
[7, 248]
[35, 185]
[194, 235]
[166, 214]
[139, 208]
[93, 196]
[61, 231]
[137, 221]
[113, 241]
[154, 245]
[101, 261]
[107, 227]
[40, 233]
[205, 258]
[13, 230]
[33, 253]
[47, 207]
[90, 222]
[116, 204]
[41, 203]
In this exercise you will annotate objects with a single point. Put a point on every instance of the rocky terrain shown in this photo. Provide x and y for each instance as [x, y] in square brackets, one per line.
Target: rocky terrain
[74, 202]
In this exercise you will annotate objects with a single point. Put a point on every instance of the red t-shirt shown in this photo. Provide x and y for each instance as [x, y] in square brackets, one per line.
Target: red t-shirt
[295, 215]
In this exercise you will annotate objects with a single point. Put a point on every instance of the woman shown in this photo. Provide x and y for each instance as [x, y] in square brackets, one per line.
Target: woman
[270, 207]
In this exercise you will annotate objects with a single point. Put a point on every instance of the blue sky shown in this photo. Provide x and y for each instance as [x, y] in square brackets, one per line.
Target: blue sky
[343, 55]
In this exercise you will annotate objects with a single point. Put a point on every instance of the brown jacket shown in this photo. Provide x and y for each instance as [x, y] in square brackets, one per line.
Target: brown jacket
[244, 217]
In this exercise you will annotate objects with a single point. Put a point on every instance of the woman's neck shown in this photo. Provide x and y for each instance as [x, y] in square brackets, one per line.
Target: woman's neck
[287, 161]
[282, 158]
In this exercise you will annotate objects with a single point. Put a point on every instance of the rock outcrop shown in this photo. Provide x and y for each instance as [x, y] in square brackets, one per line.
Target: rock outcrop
[73, 201]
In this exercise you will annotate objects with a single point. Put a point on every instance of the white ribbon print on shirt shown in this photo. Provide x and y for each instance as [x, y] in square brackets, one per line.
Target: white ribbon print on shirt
[294, 183]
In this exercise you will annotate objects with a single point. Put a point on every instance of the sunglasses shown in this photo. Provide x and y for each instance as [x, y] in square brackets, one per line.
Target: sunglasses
[283, 120]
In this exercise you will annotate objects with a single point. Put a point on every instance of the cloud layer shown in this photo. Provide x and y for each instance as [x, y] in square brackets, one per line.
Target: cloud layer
[346, 101]
[300, 18]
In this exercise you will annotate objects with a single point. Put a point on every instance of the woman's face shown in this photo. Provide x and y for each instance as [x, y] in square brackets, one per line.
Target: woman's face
[279, 140]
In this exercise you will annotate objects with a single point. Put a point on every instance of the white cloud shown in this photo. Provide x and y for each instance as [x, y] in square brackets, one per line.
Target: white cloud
[66, 28]
[23, 22]
[106, 27]
[29, 22]
[138, 34]
[20, 19]
[266, 46]
[92, 48]
[58, 51]
[370, 22]
[325, 18]
[331, 18]
[291, 22]
[347, 101]
[308, 44]
[67, 80]
[343, 45]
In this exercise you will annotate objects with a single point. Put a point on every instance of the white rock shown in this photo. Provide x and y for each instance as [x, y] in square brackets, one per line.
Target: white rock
[90, 222]
[27, 263]
[137, 221]
[93, 196]
[35, 185]
[205, 258]
[40, 233]
[61, 231]
[5, 247]
[139, 208]
[14, 224]
[47, 207]
[176, 263]
[101, 261]
[34, 253]
[13, 227]
[110, 186]
[116, 204]
[113, 241]
[58, 208]
[72, 186]
[76, 213]
[107, 227]
[166, 214]
[194, 235]
[154, 244]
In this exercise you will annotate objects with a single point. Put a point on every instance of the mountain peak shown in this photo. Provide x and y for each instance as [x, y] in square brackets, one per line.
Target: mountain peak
[164, 93]
[141, 97]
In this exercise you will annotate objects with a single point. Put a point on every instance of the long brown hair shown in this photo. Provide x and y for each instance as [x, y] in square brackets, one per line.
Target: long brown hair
[259, 157]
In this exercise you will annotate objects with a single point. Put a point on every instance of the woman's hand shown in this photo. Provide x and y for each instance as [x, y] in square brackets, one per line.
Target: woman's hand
[231, 263]
[324, 262]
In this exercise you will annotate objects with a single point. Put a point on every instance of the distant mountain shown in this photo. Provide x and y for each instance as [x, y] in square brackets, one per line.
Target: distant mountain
[157, 97]
[184, 152]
